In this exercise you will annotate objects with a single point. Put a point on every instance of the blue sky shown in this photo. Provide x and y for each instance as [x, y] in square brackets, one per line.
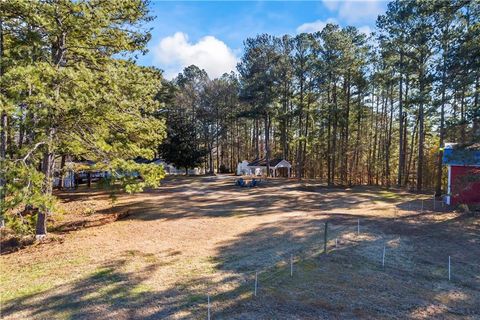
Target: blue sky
[210, 34]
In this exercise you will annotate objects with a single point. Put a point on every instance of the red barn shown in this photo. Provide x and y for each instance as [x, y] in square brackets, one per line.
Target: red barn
[463, 163]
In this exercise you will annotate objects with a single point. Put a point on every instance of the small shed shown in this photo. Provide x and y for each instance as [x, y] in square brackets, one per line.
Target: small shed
[278, 167]
[463, 164]
[242, 168]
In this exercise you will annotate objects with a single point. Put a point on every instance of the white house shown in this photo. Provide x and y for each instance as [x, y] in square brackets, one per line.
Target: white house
[68, 181]
[172, 170]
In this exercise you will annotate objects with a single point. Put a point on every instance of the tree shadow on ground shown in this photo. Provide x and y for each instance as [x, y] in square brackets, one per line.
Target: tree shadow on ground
[212, 197]
[346, 283]
[350, 282]
[109, 292]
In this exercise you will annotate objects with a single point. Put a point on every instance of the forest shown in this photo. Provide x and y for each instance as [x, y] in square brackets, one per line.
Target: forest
[344, 107]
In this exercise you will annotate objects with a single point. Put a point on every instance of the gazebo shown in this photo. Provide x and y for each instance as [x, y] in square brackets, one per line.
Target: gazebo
[278, 167]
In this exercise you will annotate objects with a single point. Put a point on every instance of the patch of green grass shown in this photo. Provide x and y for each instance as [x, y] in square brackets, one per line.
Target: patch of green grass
[115, 286]
[102, 273]
[23, 281]
[194, 298]
[24, 291]
[132, 252]
[140, 289]
[238, 214]
[150, 258]
[106, 275]
[309, 266]
[99, 293]
[231, 260]
[388, 195]
[215, 260]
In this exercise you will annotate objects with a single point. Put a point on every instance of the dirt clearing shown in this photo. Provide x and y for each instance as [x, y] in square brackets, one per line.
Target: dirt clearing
[202, 236]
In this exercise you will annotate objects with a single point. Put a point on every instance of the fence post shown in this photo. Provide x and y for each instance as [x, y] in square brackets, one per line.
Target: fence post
[336, 243]
[208, 299]
[256, 283]
[291, 265]
[325, 238]
[383, 257]
[358, 227]
[449, 269]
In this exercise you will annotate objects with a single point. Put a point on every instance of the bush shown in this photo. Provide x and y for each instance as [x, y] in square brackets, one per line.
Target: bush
[22, 223]
[223, 169]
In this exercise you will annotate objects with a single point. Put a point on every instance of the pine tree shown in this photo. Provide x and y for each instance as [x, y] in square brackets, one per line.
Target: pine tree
[79, 98]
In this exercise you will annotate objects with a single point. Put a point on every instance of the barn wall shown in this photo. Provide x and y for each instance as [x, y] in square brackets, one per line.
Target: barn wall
[470, 193]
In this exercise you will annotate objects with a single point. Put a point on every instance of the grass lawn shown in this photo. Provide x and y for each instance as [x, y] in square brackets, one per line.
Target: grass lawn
[200, 236]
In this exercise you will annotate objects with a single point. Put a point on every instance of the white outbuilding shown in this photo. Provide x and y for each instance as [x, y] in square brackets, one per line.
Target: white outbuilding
[242, 168]
[278, 167]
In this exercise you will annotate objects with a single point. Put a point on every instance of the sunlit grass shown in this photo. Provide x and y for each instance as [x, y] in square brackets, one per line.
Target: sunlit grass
[25, 280]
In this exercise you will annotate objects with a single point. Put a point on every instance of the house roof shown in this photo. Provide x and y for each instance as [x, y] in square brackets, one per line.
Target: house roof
[142, 160]
[263, 162]
[461, 155]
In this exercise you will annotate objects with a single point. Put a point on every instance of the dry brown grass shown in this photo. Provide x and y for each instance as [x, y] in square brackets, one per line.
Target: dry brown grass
[199, 236]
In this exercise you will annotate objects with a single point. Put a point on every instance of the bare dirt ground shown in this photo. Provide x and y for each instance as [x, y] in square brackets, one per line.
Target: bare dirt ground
[202, 236]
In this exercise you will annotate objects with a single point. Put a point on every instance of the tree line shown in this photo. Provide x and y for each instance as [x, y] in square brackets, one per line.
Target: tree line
[344, 107]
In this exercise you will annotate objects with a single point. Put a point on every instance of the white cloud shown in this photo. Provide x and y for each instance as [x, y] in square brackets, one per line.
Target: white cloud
[331, 5]
[175, 52]
[355, 11]
[314, 26]
[365, 29]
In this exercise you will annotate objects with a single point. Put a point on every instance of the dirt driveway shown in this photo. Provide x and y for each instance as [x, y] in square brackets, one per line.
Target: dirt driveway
[202, 236]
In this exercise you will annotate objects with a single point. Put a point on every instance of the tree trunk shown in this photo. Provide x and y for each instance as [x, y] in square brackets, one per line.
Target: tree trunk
[389, 141]
[401, 158]
[306, 131]
[356, 154]
[370, 154]
[210, 162]
[283, 123]
[476, 119]
[3, 149]
[405, 129]
[256, 140]
[438, 186]
[334, 133]
[3, 137]
[47, 169]
[421, 129]
[62, 174]
[267, 146]
[89, 179]
[375, 137]
[329, 139]
[462, 117]
[300, 131]
[345, 144]
[413, 142]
